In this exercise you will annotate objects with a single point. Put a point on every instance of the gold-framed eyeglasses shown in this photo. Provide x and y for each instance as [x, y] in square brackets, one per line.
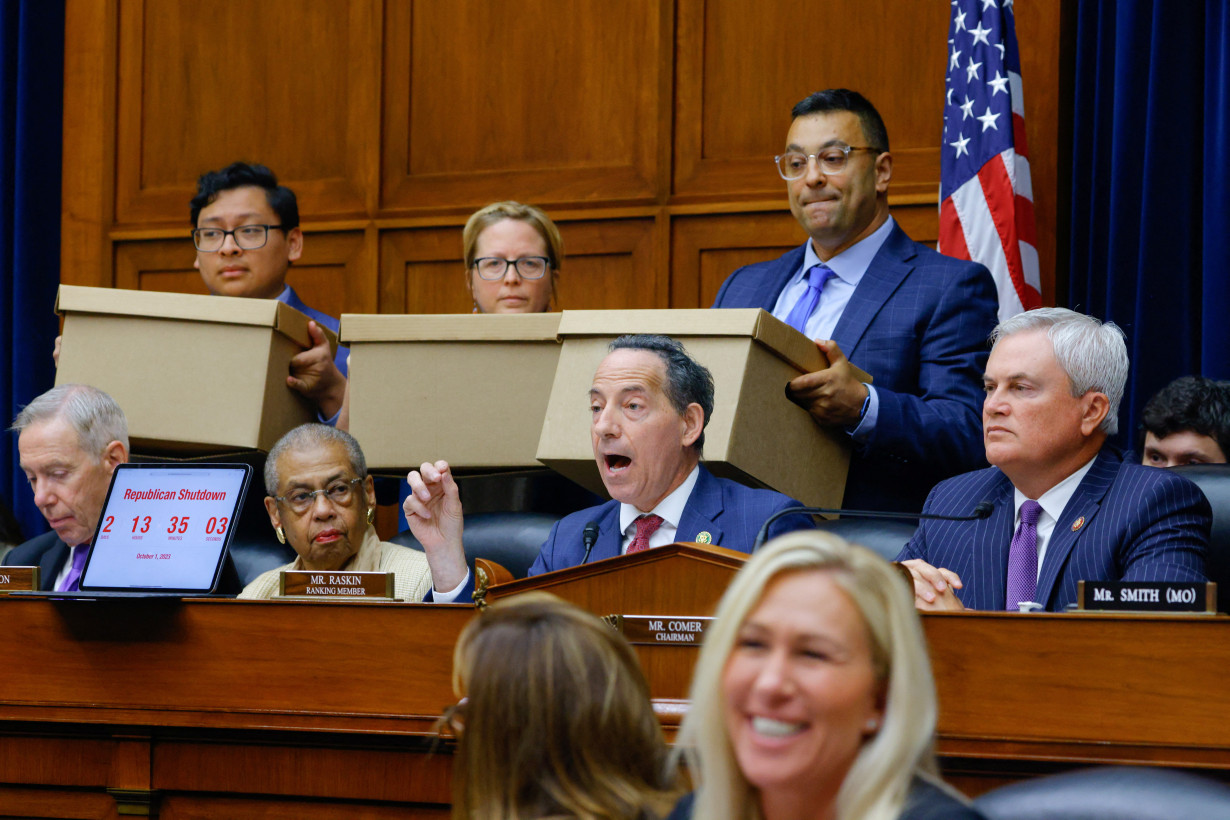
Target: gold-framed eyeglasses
[527, 267]
[247, 237]
[831, 160]
[341, 493]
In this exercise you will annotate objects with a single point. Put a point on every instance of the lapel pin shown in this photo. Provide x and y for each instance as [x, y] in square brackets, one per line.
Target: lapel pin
[703, 537]
[1078, 523]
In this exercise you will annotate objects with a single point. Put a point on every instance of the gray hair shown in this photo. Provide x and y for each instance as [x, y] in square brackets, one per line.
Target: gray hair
[687, 380]
[93, 414]
[1092, 353]
[903, 748]
[307, 437]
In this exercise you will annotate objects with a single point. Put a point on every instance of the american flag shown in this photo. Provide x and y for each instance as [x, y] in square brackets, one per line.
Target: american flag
[986, 197]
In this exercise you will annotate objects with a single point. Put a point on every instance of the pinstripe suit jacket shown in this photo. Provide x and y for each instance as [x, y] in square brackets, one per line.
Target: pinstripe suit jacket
[1140, 524]
[918, 323]
[731, 513]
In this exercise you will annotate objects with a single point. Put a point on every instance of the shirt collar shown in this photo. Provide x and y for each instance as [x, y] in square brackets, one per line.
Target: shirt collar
[285, 296]
[852, 263]
[1054, 500]
[670, 508]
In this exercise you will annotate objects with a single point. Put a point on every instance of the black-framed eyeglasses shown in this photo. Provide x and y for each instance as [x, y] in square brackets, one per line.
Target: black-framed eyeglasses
[832, 160]
[527, 267]
[341, 493]
[247, 237]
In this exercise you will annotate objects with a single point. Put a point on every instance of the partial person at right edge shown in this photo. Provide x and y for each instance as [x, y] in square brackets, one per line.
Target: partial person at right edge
[1067, 507]
[1187, 422]
[914, 320]
[649, 405]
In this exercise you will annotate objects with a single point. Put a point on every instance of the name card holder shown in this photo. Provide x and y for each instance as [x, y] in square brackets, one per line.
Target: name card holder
[18, 578]
[659, 630]
[1147, 596]
[306, 585]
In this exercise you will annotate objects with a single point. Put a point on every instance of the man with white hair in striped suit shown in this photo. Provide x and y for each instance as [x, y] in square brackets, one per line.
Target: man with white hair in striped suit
[1066, 506]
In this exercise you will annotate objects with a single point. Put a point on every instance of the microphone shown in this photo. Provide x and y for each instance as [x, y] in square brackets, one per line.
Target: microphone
[589, 536]
[982, 510]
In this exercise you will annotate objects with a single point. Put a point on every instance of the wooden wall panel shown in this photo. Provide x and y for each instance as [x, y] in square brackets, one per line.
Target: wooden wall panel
[646, 128]
[537, 100]
[742, 66]
[608, 263]
[292, 84]
[334, 274]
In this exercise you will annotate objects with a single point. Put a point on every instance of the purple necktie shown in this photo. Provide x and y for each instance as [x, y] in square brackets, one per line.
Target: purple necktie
[73, 580]
[817, 275]
[1023, 557]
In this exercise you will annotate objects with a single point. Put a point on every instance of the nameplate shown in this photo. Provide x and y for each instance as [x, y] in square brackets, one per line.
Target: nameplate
[335, 586]
[1147, 596]
[655, 630]
[23, 578]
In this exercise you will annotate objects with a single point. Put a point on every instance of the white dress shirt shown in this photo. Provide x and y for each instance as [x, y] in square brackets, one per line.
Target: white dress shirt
[1053, 502]
[669, 508]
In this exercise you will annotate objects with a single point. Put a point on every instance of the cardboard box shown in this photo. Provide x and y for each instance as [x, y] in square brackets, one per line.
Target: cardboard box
[756, 435]
[192, 373]
[468, 388]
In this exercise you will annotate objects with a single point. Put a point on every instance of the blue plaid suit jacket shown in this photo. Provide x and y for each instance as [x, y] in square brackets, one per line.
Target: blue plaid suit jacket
[918, 322]
[731, 513]
[1140, 524]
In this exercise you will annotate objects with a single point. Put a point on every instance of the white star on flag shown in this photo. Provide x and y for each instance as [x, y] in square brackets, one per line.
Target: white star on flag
[960, 145]
[971, 70]
[988, 120]
[1000, 84]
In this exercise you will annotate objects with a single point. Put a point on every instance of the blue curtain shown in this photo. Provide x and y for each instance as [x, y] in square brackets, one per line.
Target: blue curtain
[31, 113]
[1151, 186]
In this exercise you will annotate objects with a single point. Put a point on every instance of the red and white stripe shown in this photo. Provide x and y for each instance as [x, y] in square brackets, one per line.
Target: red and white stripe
[990, 219]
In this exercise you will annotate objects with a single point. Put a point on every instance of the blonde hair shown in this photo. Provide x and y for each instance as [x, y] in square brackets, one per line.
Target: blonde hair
[877, 784]
[484, 218]
[557, 718]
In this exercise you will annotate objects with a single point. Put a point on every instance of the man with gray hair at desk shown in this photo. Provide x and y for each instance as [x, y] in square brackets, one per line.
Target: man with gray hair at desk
[70, 440]
[1066, 506]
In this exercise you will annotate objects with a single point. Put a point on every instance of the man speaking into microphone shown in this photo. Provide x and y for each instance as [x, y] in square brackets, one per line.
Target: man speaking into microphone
[649, 405]
[1066, 506]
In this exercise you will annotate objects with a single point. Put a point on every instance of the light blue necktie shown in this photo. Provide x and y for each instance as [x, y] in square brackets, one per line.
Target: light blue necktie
[817, 275]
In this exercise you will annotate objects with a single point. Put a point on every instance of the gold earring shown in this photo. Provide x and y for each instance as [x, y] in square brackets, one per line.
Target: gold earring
[278, 531]
[371, 515]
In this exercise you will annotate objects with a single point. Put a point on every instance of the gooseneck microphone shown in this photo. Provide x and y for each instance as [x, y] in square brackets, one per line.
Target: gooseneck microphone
[589, 536]
[982, 510]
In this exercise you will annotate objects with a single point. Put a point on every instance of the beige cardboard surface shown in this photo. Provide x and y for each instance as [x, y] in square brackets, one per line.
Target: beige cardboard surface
[755, 435]
[467, 388]
[186, 383]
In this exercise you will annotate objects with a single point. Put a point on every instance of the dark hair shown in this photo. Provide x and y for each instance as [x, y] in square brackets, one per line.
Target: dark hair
[1190, 403]
[557, 718]
[687, 380]
[240, 175]
[843, 99]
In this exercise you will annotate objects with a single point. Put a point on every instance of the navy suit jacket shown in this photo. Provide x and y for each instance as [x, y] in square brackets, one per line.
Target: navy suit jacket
[731, 513]
[918, 322]
[1124, 522]
[47, 552]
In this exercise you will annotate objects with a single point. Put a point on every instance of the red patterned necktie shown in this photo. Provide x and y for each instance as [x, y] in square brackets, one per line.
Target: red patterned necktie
[646, 526]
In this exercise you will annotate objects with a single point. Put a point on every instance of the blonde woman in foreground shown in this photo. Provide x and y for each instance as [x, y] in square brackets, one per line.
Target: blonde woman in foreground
[813, 698]
[555, 721]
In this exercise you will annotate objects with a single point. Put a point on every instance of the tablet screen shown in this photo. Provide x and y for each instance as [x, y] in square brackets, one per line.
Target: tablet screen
[166, 527]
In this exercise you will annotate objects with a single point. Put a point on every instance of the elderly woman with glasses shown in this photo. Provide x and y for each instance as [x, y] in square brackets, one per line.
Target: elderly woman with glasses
[321, 501]
[556, 721]
[513, 254]
[812, 698]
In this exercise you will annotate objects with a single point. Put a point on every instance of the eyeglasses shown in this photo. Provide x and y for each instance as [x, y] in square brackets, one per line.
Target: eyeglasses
[528, 267]
[247, 237]
[832, 160]
[341, 493]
